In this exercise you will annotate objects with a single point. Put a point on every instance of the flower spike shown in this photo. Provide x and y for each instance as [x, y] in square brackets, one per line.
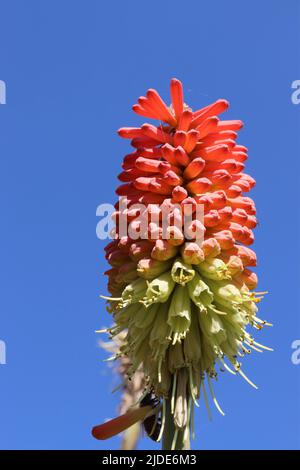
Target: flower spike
[181, 278]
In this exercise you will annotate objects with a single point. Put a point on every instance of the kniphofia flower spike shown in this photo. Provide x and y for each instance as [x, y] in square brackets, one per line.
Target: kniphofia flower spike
[185, 305]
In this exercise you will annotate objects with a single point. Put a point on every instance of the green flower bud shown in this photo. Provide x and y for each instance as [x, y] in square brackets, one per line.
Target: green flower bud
[149, 268]
[123, 316]
[232, 344]
[191, 253]
[237, 322]
[235, 265]
[199, 292]
[229, 348]
[159, 289]
[126, 273]
[163, 250]
[212, 326]
[213, 268]
[250, 308]
[160, 332]
[182, 272]
[139, 348]
[144, 317]
[192, 343]
[208, 354]
[229, 291]
[134, 292]
[226, 293]
[227, 305]
[179, 315]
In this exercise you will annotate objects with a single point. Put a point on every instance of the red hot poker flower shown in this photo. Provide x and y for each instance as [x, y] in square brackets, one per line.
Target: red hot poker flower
[185, 301]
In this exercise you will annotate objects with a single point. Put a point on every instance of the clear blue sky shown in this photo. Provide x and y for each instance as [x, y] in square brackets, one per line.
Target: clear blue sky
[73, 69]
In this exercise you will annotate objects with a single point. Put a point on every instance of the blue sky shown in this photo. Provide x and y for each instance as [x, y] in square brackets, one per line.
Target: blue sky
[72, 71]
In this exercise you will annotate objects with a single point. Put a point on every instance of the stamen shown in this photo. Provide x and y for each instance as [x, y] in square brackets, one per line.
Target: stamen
[226, 366]
[253, 347]
[262, 346]
[246, 378]
[257, 326]
[206, 402]
[259, 320]
[112, 358]
[245, 350]
[116, 299]
[163, 419]
[173, 392]
[115, 331]
[191, 383]
[192, 422]
[213, 397]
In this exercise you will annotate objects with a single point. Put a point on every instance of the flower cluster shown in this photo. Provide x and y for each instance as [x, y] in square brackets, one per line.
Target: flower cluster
[185, 304]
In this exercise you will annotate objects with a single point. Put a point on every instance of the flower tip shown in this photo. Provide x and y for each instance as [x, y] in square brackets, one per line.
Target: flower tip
[224, 103]
[176, 82]
[146, 127]
[152, 93]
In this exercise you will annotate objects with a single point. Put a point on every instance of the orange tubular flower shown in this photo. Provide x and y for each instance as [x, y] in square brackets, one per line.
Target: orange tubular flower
[184, 301]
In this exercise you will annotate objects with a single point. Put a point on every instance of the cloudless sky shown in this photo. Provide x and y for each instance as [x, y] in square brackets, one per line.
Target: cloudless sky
[72, 71]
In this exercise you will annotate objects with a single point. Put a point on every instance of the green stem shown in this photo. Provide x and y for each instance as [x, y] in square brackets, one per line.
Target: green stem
[169, 432]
